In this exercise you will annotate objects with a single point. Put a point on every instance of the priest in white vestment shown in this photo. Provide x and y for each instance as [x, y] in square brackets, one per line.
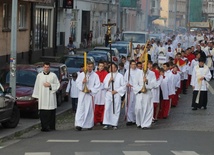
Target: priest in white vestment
[45, 89]
[200, 75]
[111, 114]
[84, 117]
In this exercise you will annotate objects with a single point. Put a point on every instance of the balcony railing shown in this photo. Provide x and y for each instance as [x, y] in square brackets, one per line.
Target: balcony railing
[155, 11]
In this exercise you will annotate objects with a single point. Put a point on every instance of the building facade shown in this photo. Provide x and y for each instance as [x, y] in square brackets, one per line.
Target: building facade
[195, 12]
[34, 30]
[151, 9]
[208, 12]
[173, 14]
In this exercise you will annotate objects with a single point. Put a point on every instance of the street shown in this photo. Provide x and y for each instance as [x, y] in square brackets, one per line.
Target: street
[185, 132]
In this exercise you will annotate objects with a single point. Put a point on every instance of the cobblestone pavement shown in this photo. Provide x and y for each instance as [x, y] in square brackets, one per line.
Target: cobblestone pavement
[181, 117]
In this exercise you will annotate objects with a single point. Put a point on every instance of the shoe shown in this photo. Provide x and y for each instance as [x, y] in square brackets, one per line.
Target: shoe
[138, 126]
[105, 127]
[114, 127]
[78, 128]
[194, 108]
[145, 128]
[154, 120]
[45, 130]
[129, 123]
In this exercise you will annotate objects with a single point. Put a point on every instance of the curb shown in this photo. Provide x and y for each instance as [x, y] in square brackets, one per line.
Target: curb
[22, 131]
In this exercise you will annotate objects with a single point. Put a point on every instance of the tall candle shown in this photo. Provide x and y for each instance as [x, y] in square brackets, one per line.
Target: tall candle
[146, 61]
[85, 61]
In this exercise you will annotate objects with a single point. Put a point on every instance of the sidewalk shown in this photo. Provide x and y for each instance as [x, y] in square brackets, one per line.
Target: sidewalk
[27, 124]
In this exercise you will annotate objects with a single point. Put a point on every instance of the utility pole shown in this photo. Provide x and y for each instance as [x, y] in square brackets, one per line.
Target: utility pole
[175, 14]
[147, 15]
[108, 9]
[13, 47]
[119, 15]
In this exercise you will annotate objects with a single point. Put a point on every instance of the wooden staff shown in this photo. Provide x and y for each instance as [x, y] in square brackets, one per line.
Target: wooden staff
[128, 89]
[109, 25]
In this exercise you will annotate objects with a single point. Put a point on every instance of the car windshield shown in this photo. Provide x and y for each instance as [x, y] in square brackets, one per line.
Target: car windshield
[108, 50]
[74, 62]
[52, 69]
[141, 38]
[103, 55]
[120, 48]
[97, 57]
[24, 77]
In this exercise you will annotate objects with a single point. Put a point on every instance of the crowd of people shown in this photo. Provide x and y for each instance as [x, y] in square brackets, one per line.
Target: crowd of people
[146, 88]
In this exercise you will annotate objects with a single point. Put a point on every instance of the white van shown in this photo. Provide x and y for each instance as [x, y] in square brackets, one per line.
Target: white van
[138, 37]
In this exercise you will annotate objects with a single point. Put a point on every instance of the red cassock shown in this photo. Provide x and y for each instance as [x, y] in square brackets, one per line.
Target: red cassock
[99, 109]
[165, 107]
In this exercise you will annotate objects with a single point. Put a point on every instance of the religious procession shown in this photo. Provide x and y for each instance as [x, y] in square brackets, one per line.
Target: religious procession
[146, 84]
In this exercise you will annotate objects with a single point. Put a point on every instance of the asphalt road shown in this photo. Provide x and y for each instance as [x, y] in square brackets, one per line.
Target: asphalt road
[185, 132]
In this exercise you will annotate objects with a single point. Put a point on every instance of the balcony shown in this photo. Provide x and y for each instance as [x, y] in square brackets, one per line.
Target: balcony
[155, 11]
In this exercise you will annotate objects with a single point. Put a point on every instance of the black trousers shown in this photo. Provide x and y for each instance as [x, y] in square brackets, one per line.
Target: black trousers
[202, 99]
[74, 102]
[184, 86]
[48, 119]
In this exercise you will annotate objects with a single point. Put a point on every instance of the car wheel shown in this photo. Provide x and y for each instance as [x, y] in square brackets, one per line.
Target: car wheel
[59, 99]
[14, 119]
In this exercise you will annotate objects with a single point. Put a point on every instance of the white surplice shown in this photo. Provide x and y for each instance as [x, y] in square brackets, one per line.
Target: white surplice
[111, 118]
[144, 105]
[156, 91]
[46, 96]
[130, 105]
[198, 73]
[165, 88]
[85, 108]
[171, 88]
[99, 98]
[72, 89]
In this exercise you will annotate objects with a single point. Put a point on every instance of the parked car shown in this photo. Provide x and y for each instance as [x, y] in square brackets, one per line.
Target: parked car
[122, 47]
[74, 62]
[9, 111]
[115, 53]
[25, 80]
[97, 57]
[104, 54]
[60, 70]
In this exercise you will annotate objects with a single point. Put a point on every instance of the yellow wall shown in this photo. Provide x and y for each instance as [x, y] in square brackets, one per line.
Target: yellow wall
[23, 36]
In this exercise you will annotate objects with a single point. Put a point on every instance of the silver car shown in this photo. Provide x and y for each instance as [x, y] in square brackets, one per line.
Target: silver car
[9, 112]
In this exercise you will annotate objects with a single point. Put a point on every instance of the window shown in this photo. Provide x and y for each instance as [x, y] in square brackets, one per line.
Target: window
[153, 4]
[22, 16]
[43, 27]
[6, 16]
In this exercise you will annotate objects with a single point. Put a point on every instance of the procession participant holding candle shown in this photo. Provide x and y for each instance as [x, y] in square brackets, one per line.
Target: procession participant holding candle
[142, 87]
[88, 83]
